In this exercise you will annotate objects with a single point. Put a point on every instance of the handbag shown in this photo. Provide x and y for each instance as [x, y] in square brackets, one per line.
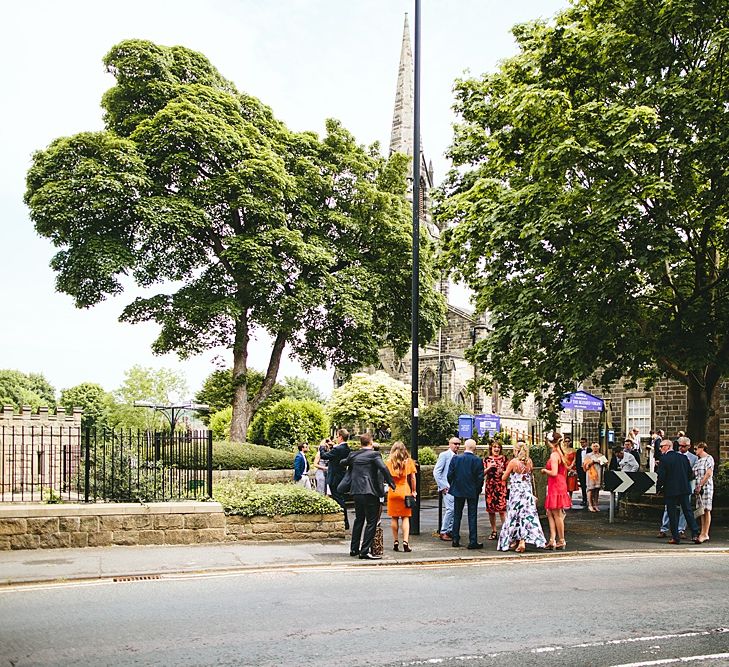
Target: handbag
[698, 504]
[410, 501]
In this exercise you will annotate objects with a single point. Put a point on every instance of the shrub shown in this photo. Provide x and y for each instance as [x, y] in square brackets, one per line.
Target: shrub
[242, 456]
[246, 498]
[721, 482]
[539, 455]
[427, 456]
[220, 422]
[437, 423]
[290, 421]
[257, 427]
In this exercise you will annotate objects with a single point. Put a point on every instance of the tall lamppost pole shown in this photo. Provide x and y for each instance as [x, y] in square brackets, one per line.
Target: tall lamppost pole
[415, 380]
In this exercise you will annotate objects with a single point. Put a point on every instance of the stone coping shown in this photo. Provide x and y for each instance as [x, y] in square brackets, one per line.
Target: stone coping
[27, 510]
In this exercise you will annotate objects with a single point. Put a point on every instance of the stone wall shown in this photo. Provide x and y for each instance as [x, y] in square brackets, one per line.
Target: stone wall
[290, 527]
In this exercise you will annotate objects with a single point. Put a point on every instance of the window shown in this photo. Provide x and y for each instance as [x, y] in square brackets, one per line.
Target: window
[638, 415]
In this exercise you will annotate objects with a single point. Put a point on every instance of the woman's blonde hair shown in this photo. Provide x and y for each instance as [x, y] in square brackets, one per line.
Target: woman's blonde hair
[398, 455]
[521, 451]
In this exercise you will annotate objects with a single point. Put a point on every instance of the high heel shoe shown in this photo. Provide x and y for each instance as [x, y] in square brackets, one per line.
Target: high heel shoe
[406, 547]
[560, 545]
[549, 546]
[396, 546]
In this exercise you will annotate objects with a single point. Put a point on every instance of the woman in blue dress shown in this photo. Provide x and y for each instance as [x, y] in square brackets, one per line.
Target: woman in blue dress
[522, 519]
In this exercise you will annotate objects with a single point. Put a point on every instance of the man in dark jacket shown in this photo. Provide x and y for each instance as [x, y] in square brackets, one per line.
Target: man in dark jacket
[580, 455]
[336, 469]
[367, 472]
[465, 475]
[674, 475]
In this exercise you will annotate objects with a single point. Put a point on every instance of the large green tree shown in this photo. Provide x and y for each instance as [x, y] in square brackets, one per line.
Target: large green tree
[591, 201]
[97, 404]
[196, 185]
[19, 389]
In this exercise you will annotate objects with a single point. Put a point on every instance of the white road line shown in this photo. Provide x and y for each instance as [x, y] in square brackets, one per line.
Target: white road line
[674, 661]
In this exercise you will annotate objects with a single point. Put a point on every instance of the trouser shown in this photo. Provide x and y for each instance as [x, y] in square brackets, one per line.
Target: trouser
[447, 525]
[305, 482]
[665, 526]
[583, 486]
[672, 504]
[339, 497]
[366, 509]
[458, 503]
[321, 481]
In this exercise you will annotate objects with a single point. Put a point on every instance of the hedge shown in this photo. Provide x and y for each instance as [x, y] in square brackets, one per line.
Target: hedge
[244, 497]
[242, 456]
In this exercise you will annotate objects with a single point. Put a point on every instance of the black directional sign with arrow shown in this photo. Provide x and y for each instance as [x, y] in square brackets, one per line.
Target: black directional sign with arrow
[635, 482]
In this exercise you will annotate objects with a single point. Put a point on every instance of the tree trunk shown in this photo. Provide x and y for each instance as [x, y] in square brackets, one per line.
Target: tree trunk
[241, 407]
[702, 424]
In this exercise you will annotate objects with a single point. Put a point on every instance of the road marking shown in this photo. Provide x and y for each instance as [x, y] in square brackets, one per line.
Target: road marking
[673, 661]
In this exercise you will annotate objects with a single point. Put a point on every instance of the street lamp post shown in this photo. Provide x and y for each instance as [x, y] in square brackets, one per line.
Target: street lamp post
[415, 303]
[172, 412]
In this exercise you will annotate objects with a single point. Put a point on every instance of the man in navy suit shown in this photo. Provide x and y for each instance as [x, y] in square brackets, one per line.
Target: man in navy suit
[674, 475]
[465, 476]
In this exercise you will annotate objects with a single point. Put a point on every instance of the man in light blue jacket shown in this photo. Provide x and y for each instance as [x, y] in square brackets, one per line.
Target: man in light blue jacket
[440, 473]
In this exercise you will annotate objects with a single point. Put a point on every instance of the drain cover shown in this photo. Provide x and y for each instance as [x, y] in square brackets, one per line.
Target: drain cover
[141, 577]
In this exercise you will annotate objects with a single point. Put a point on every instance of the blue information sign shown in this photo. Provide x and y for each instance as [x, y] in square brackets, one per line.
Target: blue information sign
[487, 424]
[465, 427]
[581, 400]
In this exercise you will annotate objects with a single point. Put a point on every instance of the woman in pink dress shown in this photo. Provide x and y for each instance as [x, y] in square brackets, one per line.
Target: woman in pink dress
[558, 499]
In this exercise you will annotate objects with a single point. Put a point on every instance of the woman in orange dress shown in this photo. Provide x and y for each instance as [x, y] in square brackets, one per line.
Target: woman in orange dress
[571, 471]
[402, 468]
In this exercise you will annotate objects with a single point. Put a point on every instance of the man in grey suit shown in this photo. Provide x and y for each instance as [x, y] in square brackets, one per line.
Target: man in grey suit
[440, 474]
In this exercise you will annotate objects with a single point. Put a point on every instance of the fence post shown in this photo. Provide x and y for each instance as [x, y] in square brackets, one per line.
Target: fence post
[210, 464]
[87, 465]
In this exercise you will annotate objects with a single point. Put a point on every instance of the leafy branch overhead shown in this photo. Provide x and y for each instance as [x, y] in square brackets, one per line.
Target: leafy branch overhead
[199, 193]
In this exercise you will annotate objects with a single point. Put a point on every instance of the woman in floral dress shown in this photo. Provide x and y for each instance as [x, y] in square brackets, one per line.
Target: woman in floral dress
[494, 466]
[522, 520]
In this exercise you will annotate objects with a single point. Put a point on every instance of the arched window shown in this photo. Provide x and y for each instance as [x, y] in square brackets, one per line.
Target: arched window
[428, 387]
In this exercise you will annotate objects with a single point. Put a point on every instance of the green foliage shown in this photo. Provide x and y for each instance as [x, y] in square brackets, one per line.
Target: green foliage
[427, 456]
[195, 184]
[246, 498]
[591, 197]
[437, 423]
[289, 422]
[162, 386]
[257, 429]
[539, 455]
[721, 483]
[368, 401]
[19, 389]
[51, 496]
[301, 389]
[96, 403]
[220, 423]
[218, 390]
[242, 456]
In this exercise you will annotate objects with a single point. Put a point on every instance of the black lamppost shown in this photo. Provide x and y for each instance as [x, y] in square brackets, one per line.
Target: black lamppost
[415, 303]
[172, 412]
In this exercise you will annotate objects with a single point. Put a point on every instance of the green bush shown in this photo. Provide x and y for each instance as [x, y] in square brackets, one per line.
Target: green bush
[242, 456]
[246, 498]
[290, 421]
[539, 455]
[427, 456]
[257, 427]
[220, 422]
[437, 423]
[721, 482]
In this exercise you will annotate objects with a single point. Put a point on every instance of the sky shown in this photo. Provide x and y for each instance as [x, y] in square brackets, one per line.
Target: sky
[308, 59]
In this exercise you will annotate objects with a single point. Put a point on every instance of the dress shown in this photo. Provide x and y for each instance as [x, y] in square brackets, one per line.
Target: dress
[495, 487]
[703, 464]
[396, 498]
[522, 520]
[571, 473]
[594, 472]
[557, 496]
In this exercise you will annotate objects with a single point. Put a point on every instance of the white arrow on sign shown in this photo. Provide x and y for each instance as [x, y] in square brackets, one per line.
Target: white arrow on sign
[625, 484]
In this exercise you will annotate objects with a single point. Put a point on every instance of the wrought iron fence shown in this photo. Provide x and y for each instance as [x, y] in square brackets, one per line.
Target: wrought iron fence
[66, 463]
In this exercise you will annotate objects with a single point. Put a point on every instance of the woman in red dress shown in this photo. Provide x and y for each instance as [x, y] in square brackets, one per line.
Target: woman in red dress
[558, 500]
[494, 466]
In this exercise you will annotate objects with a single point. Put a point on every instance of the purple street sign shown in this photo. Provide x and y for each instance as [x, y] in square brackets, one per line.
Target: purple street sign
[465, 427]
[581, 400]
[487, 424]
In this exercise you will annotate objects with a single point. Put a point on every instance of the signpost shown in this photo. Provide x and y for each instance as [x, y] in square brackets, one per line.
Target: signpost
[582, 400]
[617, 481]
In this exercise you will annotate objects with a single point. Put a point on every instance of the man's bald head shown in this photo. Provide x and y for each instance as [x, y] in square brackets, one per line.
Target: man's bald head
[470, 445]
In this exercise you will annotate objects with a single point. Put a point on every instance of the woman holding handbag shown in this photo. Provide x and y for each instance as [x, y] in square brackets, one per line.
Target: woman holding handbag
[400, 500]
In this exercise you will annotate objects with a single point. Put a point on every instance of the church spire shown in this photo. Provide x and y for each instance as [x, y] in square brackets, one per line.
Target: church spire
[401, 139]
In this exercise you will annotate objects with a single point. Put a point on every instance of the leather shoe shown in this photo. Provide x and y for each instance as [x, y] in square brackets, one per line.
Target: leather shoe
[672, 541]
[661, 534]
[456, 543]
[478, 545]
[445, 537]
[354, 553]
[369, 556]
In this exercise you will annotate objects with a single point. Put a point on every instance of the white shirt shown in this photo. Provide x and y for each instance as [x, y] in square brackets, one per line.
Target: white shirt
[628, 463]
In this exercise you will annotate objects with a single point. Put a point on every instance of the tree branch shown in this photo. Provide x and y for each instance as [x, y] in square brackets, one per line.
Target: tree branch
[272, 371]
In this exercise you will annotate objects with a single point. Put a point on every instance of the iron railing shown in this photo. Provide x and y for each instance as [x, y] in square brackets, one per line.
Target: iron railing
[67, 463]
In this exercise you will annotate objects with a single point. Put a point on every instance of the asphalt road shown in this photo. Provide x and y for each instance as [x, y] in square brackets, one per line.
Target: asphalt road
[640, 610]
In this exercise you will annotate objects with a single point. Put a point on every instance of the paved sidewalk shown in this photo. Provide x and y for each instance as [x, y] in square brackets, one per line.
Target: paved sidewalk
[586, 532]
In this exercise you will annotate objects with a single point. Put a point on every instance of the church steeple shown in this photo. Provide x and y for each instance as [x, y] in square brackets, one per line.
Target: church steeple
[401, 139]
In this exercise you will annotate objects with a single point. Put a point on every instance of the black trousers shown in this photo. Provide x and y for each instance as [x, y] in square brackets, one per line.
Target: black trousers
[672, 505]
[339, 497]
[458, 504]
[582, 476]
[366, 509]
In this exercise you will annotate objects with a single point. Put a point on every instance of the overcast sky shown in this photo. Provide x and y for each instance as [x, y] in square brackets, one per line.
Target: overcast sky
[308, 59]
